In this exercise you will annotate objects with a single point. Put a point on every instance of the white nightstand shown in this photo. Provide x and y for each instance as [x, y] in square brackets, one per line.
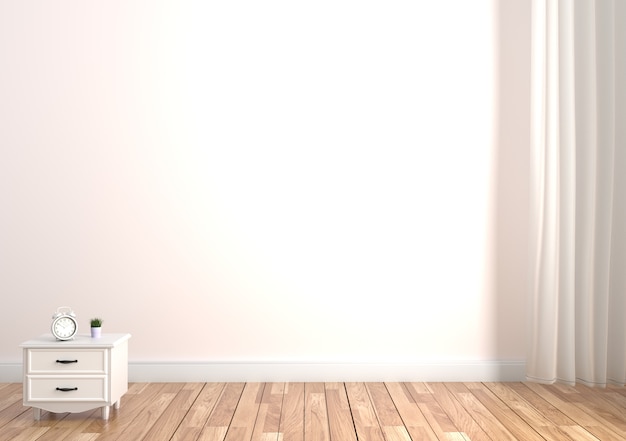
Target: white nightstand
[75, 375]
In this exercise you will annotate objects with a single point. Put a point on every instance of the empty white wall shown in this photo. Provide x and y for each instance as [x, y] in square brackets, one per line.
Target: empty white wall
[329, 181]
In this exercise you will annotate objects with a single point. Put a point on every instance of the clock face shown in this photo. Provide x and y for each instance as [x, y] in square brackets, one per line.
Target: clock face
[64, 328]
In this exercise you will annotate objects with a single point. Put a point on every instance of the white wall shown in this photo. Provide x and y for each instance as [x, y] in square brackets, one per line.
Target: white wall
[335, 181]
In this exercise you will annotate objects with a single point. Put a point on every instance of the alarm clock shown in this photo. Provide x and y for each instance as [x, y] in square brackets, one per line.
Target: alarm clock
[64, 325]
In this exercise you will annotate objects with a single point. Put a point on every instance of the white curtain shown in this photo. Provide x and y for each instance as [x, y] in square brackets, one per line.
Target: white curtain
[578, 194]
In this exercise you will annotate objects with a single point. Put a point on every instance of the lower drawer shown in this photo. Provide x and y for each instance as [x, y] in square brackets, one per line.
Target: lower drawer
[62, 388]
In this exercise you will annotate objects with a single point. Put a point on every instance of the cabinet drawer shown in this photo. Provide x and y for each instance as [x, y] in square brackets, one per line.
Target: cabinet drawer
[66, 388]
[46, 361]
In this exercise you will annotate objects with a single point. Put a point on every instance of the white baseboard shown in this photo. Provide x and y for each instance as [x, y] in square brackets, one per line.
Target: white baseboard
[309, 372]
[11, 373]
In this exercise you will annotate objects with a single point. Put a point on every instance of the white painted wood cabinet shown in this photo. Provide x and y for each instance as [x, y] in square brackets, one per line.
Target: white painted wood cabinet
[75, 375]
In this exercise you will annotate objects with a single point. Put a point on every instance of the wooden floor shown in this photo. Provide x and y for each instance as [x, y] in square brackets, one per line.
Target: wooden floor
[333, 411]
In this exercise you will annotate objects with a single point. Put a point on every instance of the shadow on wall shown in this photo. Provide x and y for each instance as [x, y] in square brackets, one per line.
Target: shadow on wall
[512, 140]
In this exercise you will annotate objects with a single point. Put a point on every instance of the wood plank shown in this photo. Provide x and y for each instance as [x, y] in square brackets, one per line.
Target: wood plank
[607, 413]
[10, 413]
[602, 433]
[579, 434]
[412, 417]
[598, 398]
[435, 415]
[340, 420]
[578, 411]
[24, 434]
[480, 413]
[151, 413]
[217, 425]
[462, 420]
[197, 416]
[177, 409]
[363, 413]
[574, 414]
[388, 417]
[16, 421]
[612, 394]
[532, 407]
[519, 427]
[24, 422]
[315, 414]
[268, 420]
[71, 427]
[9, 395]
[134, 405]
[547, 420]
[292, 414]
[242, 424]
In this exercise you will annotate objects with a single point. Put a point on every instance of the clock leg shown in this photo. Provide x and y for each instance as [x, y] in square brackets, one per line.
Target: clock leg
[36, 413]
[105, 412]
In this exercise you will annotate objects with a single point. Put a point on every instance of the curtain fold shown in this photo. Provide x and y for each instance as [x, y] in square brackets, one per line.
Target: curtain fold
[578, 291]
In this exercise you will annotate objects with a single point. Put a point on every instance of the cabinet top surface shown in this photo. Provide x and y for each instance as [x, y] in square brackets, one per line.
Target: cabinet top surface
[80, 341]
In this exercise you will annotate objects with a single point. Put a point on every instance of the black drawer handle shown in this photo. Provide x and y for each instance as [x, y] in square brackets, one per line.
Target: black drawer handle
[67, 361]
[67, 389]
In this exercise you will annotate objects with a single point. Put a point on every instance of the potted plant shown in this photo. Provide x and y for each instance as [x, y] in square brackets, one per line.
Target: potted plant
[96, 327]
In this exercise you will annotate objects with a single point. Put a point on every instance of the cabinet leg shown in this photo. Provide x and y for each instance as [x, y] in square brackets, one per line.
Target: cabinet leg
[118, 403]
[105, 412]
[36, 413]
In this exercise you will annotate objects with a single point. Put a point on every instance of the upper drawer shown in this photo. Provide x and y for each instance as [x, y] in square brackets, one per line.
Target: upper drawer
[54, 361]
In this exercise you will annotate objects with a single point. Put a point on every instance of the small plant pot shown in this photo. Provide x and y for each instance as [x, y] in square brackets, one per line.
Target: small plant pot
[96, 332]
